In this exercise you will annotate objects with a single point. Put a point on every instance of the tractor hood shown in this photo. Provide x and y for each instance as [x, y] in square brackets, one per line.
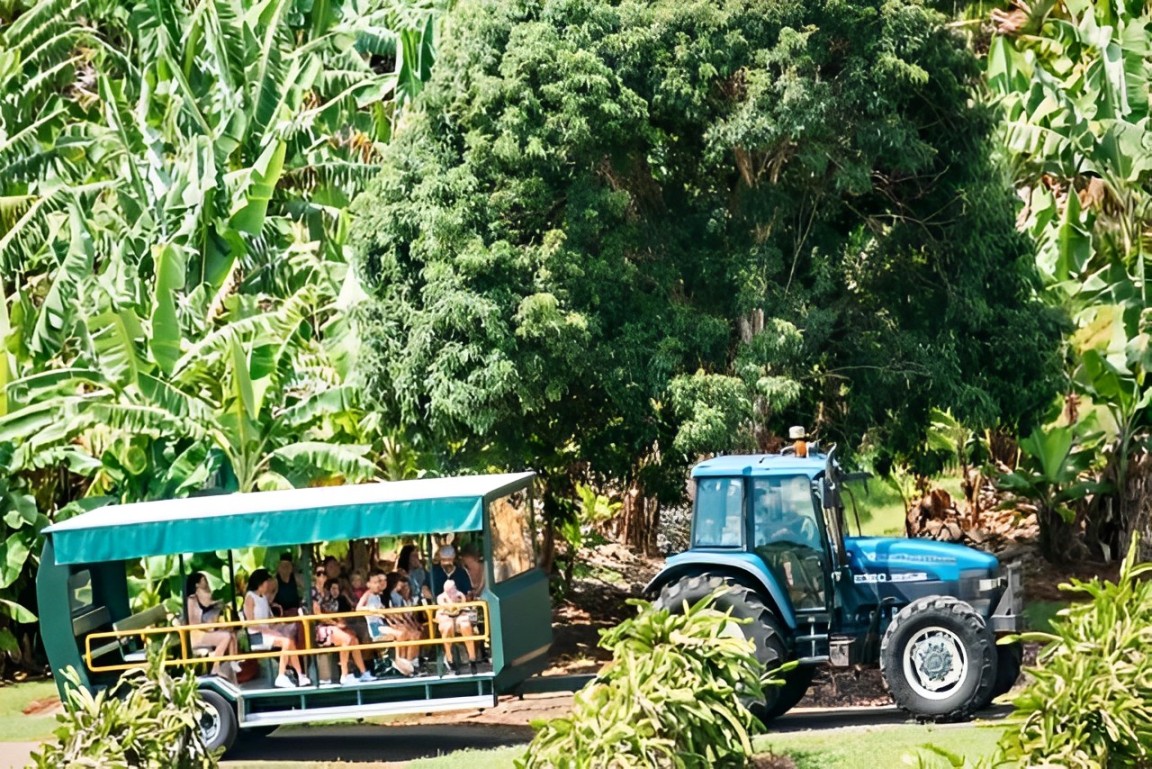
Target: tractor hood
[895, 559]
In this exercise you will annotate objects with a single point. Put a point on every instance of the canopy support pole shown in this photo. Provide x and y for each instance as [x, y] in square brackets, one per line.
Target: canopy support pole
[232, 584]
[184, 579]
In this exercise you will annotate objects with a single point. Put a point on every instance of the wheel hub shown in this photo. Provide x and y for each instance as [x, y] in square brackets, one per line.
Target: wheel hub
[210, 725]
[935, 662]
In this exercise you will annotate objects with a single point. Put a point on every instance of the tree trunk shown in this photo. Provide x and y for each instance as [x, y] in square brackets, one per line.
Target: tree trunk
[1058, 540]
[639, 520]
[1139, 509]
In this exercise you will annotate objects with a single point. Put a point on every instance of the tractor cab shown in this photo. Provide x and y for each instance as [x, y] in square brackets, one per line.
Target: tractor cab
[770, 538]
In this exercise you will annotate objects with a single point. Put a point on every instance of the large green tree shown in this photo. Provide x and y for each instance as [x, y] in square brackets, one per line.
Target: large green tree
[790, 204]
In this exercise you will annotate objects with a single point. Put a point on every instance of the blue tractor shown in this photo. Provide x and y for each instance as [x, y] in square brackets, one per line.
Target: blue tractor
[769, 530]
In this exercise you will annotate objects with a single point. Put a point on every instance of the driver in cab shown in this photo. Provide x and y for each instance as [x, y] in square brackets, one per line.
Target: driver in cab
[776, 522]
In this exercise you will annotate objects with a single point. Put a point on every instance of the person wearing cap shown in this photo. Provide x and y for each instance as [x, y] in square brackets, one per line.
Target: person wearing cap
[446, 569]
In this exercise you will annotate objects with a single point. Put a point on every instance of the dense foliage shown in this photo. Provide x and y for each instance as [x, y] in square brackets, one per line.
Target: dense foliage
[1072, 79]
[148, 720]
[670, 698]
[174, 285]
[618, 234]
[1089, 702]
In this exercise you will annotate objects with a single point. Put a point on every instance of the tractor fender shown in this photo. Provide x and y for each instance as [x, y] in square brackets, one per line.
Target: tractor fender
[746, 568]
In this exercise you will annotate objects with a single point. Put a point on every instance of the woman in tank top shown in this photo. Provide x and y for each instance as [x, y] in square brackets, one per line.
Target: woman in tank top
[257, 607]
[201, 609]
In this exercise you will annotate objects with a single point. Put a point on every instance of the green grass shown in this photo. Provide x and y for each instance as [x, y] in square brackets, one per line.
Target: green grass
[501, 758]
[1039, 614]
[870, 748]
[880, 507]
[14, 725]
[854, 748]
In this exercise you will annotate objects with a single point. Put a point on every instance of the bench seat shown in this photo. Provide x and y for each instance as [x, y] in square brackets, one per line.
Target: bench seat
[139, 621]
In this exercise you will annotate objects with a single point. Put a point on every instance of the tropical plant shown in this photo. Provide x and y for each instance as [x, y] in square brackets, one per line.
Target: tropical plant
[1054, 473]
[1089, 700]
[174, 289]
[1072, 81]
[148, 720]
[670, 698]
[589, 512]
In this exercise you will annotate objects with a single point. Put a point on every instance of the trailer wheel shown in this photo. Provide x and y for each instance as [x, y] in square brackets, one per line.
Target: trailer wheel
[218, 723]
[938, 659]
[763, 630]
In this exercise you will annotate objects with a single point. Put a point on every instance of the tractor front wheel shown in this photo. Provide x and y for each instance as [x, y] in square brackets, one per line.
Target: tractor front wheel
[763, 630]
[938, 659]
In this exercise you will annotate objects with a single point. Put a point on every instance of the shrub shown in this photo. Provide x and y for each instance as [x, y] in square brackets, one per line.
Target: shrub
[670, 698]
[1090, 700]
[148, 720]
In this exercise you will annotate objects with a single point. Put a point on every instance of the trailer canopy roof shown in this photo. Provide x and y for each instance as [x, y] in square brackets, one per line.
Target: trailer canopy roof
[280, 518]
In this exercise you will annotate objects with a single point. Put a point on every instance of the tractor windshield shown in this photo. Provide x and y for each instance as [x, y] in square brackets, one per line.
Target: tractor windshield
[786, 533]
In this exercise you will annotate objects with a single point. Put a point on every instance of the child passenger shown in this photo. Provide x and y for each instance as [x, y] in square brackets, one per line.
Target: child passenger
[378, 628]
[455, 620]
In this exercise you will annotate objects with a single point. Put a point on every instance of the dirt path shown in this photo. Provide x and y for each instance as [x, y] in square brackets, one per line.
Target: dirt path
[15, 755]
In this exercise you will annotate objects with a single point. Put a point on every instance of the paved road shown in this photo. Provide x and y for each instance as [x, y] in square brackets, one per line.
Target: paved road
[392, 743]
[371, 743]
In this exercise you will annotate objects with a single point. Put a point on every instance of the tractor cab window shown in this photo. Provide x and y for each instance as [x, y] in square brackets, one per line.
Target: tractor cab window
[786, 534]
[719, 519]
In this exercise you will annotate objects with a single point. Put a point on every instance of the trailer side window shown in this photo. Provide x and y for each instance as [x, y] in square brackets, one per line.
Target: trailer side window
[79, 591]
[719, 519]
[512, 550]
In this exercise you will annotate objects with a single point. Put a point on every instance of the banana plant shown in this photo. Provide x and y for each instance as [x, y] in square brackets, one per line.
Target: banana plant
[174, 281]
[1072, 81]
[1054, 473]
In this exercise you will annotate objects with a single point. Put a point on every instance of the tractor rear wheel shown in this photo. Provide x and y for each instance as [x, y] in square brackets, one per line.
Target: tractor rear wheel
[764, 631]
[938, 659]
[1009, 659]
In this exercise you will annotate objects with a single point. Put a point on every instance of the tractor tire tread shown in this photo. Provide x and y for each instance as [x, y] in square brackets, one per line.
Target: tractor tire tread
[963, 614]
[764, 630]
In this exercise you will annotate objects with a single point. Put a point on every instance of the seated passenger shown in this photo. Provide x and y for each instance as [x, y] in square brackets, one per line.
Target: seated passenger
[379, 629]
[473, 565]
[336, 632]
[410, 563]
[289, 588]
[256, 607]
[395, 596]
[446, 569]
[201, 609]
[359, 587]
[335, 571]
[455, 620]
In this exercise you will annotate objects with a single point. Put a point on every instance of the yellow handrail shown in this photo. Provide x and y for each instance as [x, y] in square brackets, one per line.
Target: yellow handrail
[183, 633]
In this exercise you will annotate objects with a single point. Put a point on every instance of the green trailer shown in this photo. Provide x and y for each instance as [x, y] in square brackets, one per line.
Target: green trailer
[90, 624]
